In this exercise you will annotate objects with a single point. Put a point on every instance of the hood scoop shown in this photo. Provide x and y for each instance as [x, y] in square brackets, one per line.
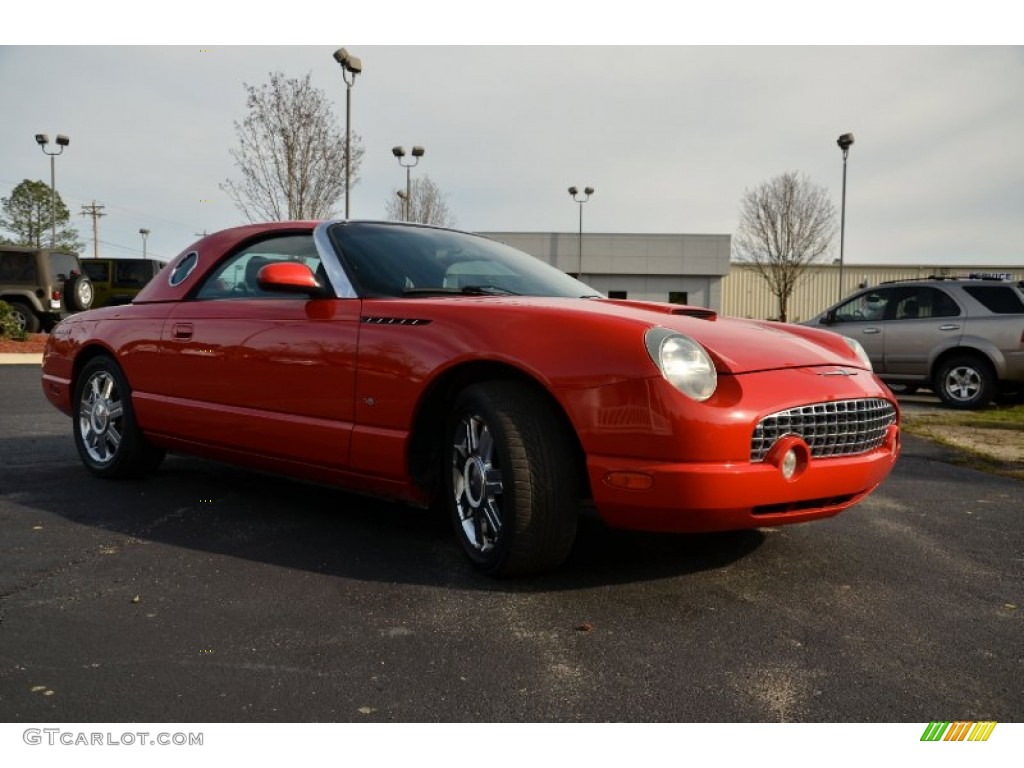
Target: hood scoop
[701, 313]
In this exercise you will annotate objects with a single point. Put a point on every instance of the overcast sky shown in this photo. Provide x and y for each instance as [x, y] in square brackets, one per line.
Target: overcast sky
[670, 137]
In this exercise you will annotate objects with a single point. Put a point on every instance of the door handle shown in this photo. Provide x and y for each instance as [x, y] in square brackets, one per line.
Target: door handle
[182, 331]
[872, 330]
[949, 327]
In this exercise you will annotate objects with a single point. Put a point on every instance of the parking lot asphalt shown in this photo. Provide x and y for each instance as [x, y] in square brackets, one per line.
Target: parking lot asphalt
[207, 593]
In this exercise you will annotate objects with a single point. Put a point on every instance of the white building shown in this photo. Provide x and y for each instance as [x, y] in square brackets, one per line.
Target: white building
[682, 269]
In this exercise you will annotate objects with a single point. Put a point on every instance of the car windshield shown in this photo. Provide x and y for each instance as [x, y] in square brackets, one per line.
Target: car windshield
[387, 260]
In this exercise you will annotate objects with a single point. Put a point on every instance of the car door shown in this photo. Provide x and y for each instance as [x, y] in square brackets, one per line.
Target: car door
[923, 319]
[262, 372]
[863, 318]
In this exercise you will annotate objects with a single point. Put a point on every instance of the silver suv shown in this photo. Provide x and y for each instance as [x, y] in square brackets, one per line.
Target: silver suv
[962, 337]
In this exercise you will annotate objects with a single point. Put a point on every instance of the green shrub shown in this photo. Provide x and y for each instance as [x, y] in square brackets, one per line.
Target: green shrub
[9, 324]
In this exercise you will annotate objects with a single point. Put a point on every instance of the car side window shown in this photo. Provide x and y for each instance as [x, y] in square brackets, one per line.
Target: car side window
[865, 307]
[237, 276]
[924, 303]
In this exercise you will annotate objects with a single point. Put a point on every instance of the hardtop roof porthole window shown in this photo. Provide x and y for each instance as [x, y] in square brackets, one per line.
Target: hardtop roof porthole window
[184, 269]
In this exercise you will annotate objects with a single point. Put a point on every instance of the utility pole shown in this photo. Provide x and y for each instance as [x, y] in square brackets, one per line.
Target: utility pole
[94, 211]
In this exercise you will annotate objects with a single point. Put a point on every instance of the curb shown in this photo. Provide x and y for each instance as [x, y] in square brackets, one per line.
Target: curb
[21, 358]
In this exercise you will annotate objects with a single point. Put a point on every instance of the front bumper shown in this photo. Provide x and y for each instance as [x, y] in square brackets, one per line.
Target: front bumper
[704, 497]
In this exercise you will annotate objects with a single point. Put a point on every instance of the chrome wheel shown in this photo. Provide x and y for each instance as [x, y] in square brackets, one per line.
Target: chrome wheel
[84, 293]
[965, 382]
[962, 383]
[476, 483]
[107, 435]
[100, 417]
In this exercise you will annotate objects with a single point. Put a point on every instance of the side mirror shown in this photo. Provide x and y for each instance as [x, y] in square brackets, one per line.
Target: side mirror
[290, 277]
[830, 317]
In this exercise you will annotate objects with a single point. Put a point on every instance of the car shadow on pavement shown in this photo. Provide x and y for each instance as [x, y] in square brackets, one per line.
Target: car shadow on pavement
[215, 508]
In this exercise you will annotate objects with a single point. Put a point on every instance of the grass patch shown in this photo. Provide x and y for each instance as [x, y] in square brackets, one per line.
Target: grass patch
[991, 440]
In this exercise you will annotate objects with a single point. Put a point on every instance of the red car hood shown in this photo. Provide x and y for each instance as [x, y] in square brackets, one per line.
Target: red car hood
[736, 345]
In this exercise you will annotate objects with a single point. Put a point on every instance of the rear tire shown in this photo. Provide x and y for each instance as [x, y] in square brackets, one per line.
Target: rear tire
[966, 382]
[107, 436]
[511, 479]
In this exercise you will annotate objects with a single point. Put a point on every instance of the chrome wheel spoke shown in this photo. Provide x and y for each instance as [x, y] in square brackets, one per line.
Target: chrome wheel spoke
[476, 483]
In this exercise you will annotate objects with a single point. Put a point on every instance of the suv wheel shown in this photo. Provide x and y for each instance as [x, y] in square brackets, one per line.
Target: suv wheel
[25, 317]
[966, 382]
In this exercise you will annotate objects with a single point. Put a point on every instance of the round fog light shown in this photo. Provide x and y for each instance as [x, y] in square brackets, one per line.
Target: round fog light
[789, 463]
[790, 455]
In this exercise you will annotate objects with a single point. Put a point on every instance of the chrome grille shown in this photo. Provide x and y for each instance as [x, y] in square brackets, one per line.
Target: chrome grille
[838, 428]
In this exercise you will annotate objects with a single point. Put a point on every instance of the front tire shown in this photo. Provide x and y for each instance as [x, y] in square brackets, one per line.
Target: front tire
[107, 436]
[511, 479]
[966, 382]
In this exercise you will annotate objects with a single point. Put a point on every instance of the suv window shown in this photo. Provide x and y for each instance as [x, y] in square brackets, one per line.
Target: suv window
[1000, 299]
[98, 271]
[924, 303]
[63, 265]
[130, 273]
[17, 267]
[867, 307]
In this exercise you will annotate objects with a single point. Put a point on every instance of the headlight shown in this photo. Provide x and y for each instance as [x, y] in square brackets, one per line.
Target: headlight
[858, 350]
[683, 362]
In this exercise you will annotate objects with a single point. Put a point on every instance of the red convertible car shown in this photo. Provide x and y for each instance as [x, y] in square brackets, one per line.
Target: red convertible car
[438, 367]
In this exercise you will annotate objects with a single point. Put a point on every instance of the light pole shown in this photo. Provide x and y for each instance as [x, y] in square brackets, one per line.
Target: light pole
[417, 153]
[845, 142]
[145, 233]
[62, 141]
[350, 65]
[587, 192]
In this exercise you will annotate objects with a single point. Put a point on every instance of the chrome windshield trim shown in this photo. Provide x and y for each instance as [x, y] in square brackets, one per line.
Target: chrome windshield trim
[342, 286]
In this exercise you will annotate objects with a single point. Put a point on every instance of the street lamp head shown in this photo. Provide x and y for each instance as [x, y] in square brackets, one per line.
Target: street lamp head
[62, 140]
[143, 231]
[398, 151]
[42, 139]
[401, 194]
[588, 191]
[573, 191]
[845, 141]
[348, 62]
[418, 151]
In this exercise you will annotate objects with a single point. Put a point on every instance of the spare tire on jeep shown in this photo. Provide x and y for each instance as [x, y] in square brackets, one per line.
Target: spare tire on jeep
[78, 293]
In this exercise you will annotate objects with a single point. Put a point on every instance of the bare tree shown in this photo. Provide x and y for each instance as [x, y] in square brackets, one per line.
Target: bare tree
[786, 225]
[429, 205]
[290, 153]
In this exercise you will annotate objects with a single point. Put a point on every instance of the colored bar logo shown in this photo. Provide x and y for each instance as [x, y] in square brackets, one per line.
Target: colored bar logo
[958, 731]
